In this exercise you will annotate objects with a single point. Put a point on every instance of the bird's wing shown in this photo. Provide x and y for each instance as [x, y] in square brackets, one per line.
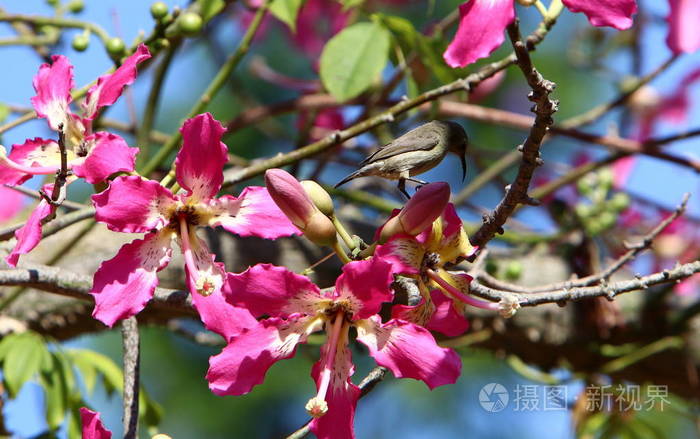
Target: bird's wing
[403, 144]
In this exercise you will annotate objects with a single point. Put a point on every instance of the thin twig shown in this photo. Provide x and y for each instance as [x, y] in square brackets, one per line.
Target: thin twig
[604, 275]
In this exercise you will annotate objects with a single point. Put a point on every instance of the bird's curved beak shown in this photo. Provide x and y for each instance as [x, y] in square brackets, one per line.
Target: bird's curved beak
[463, 159]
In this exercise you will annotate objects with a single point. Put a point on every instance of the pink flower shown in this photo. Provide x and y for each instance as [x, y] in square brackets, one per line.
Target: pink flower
[683, 36]
[296, 308]
[92, 156]
[482, 23]
[92, 425]
[317, 22]
[423, 257]
[124, 284]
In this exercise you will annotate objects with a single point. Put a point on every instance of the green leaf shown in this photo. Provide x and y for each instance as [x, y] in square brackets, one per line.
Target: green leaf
[57, 384]
[287, 11]
[353, 59]
[26, 355]
[112, 376]
[87, 370]
[209, 8]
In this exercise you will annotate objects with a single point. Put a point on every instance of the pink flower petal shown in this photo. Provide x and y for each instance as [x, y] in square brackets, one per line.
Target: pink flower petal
[683, 36]
[440, 315]
[409, 351]
[446, 319]
[34, 153]
[92, 425]
[253, 213]
[622, 169]
[53, 84]
[133, 205]
[245, 361]
[403, 252]
[613, 13]
[220, 316]
[266, 289]
[108, 154]
[201, 160]
[12, 203]
[123, 285]
[29, 235]
[341, 398]
[365, 285]
[217, 315]
[480, 31]
[109, 87]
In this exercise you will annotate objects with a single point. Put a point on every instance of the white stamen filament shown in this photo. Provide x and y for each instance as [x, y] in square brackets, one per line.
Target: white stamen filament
[187, 250]
[317, 405]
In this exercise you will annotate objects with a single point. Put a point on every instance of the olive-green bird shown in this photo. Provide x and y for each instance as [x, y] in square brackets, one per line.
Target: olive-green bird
[417, 151]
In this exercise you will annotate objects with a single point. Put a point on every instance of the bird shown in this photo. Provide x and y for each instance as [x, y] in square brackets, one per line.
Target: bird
[415, 152]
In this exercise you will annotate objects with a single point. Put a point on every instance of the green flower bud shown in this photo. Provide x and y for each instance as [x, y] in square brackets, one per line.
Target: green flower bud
[159, 10]
[583, 210]
[607, 220]
[605, 178]
[319, 196]
[190, 23]
[80, 42]
[115, 47]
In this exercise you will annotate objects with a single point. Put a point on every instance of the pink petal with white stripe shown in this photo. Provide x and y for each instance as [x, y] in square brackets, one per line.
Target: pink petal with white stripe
[123, 285]
[266, 289]
[92, 425]
[109, 87]
[365, 285]
[341, 397]
[613, 13]
[253, 213]
[29, 235]
[133, 205]
[403, 252]
[201, 160]
[108, 153]
[481, 30]
[53, 84]
[683, 36]
[409, 351]
[40, 154]
[245, 361]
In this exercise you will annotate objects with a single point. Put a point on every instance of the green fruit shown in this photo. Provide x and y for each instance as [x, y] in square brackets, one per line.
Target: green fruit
[607, 220]
[189, 23]
[76, 6]
[115, 46]
[162, 43]
[52, 2]
[514, 270]
[80, 42]
[620, 201]
[159, 10]
[583, 210]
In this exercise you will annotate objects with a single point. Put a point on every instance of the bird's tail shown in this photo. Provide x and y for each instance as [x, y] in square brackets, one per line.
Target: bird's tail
[355, 174]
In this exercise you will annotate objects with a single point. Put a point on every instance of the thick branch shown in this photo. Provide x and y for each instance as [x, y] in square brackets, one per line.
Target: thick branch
[544, 108]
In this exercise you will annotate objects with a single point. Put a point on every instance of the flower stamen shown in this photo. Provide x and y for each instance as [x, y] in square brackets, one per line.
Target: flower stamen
[457, 294]
[317, 406]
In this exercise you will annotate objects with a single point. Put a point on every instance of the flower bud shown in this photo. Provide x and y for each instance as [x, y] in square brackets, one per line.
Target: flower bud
[319, 197]
[420, 211]
[290, 196]
[292, 199]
